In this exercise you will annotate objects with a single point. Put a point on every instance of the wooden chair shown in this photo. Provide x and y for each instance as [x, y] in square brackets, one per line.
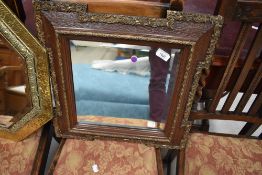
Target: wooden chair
[240, 71]
[111, 157]
[208, 153]
[230, 72]
[80, 156]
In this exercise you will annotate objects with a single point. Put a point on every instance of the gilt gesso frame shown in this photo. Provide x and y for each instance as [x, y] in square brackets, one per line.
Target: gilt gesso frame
[35, 58]
[195, 34]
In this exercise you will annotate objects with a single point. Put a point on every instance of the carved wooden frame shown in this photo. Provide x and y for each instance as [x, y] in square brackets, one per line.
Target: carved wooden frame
[59, 22]
[35, 57]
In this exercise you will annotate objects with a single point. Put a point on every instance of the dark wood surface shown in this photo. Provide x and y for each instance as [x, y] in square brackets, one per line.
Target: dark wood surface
[242, 70]
[180, 162]
[250, 91]
[228, 40]
[247, 10]
[255, 48]
[226, 9]
[256, 106]
[159, 162]
[56, 157]
[126, 7]
[249, 129]
[42, 150]
[17, 7]
[243, 35]
[219, 116]
[149, 8]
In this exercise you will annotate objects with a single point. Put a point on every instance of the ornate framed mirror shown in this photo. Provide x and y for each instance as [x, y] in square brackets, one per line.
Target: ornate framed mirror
[25, 98]
[125, 77]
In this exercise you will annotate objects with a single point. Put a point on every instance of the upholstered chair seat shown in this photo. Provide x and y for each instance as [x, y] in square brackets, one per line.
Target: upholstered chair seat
[105, 158]
[216, 155]
[18, 158]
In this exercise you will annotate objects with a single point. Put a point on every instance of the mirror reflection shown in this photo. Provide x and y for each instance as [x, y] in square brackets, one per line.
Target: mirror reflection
[122, 84]
[15, 100]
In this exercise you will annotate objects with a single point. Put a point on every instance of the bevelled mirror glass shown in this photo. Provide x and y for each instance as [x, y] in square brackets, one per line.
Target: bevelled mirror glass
[122, 84]
[14, 94]
[125, 77]
[25, 99]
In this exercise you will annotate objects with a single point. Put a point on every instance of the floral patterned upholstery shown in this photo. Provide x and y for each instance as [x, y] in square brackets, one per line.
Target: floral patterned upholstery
[216, 155]
[111, 158]
[17, 158]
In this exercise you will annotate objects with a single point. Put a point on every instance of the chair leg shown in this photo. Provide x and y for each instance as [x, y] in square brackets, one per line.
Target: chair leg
[168, 159]
[248, 129]
[42, 151]
[58, 139]
[55, 159]
[159, 162]
[168, 168]
[181, 162]
[205, 125]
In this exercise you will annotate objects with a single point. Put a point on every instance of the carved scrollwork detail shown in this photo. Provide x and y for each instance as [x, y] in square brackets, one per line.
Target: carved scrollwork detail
[192, 93]
[184, 141]
[59, 6]
[54, 84]
[122, 19]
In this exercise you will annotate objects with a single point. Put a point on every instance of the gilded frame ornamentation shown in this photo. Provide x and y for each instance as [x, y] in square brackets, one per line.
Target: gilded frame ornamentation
[35, 57]
[175, 134]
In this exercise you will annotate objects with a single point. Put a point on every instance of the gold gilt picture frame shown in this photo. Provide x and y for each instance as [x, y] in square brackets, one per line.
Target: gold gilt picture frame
[195, 34]
[35, 57]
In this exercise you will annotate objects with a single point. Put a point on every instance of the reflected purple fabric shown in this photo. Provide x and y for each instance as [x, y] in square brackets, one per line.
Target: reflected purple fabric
[157, 85]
